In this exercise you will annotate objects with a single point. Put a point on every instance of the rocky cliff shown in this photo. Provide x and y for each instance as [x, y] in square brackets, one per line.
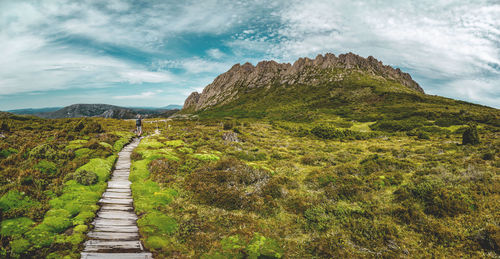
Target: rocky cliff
[321, 70]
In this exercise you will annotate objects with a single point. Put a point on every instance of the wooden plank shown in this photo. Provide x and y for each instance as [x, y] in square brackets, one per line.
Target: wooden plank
[116, 201]
[104, 245]
[113, 222]
[100, 235]
[116, 215]
[125, 190]
[116, 256]
[128, 229]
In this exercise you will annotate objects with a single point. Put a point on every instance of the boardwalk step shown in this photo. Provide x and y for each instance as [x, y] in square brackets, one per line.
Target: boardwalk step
[130, 236]
[104, 245]
[116, 256]
[122, 229]
[117, 215]
[113, 222]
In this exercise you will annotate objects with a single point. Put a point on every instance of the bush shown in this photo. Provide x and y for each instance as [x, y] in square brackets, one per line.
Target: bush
[4, 127]
[43, 151]
[470, 135]
[84, 177]
[327, 132]
[92, 127]
[46, 167]
[227, 125]
[230, 184]
[397, 125]
[439, 200]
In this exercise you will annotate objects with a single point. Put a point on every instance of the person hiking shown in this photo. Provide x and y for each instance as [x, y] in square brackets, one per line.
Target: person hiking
[138, 123]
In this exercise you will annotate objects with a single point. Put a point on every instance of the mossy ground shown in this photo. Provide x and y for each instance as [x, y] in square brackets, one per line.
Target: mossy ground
[284, 191]
[322, 184]
[43, 211]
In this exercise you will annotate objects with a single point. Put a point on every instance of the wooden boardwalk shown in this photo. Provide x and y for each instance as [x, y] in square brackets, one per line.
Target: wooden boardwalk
[115, 233]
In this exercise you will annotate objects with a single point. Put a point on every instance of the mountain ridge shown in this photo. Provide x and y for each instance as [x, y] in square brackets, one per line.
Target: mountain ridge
[304, 71]
[103, 110]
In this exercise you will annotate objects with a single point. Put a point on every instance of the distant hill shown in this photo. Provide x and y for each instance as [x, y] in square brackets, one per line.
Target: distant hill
[350, 86]
[29, 111]
[103, 110]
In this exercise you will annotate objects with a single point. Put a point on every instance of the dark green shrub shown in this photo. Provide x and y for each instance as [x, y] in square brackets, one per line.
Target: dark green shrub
[439, 200]
[43, 151]
[448, 121]
[470, 135]
[327, 132]
[162, 170]
[227, 185]
[92, 127]
[488, 156]
[79, 126]
[84, 177]
[397, 125]
[4, 127]
[46, 167]
[227, 125]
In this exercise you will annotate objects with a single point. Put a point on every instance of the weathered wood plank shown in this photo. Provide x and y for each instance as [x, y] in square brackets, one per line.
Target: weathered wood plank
[117, 256]
[117, 215]
[102, 245]
[113, 222]
[128, 229]
[127, 236]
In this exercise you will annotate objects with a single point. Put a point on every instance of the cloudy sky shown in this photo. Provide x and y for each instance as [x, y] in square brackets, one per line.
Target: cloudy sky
[154, 53]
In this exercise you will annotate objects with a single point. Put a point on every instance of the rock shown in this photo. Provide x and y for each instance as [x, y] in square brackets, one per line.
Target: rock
[230, 137]
[240, 78]
[191, 101]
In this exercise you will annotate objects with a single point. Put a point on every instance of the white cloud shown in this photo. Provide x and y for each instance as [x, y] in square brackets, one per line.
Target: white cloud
[143, 95]
[215, 53]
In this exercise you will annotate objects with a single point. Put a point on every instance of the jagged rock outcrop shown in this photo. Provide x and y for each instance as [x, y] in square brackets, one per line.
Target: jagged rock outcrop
[304, 71]
[191, 101]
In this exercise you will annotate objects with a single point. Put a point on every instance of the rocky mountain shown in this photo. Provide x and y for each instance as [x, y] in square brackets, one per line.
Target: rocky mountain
[101, 110]
[324, 70]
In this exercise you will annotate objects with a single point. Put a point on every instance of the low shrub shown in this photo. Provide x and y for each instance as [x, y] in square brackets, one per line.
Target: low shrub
[46, 167]
[83, 177]
[229, 184]
[470, 135]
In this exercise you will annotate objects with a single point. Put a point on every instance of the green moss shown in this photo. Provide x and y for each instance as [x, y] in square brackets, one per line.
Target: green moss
[151, 143]
[206, 157]
[17, 226]
[261, 246]
[175, 143]
[100, 166]
[83, 217]
[58, 213]
[106, 145]
[157, 223]
[82, 152]
[56, 224]
[156, 242]
[80, 228]
[46, 167]
[41, 236]
[185, 150]
[19, 246]
[16, 200]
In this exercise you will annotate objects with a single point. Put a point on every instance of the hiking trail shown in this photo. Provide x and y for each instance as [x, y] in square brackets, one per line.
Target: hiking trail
[115, 233]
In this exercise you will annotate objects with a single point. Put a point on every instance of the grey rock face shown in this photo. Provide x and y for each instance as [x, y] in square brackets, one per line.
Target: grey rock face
[303, 71]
